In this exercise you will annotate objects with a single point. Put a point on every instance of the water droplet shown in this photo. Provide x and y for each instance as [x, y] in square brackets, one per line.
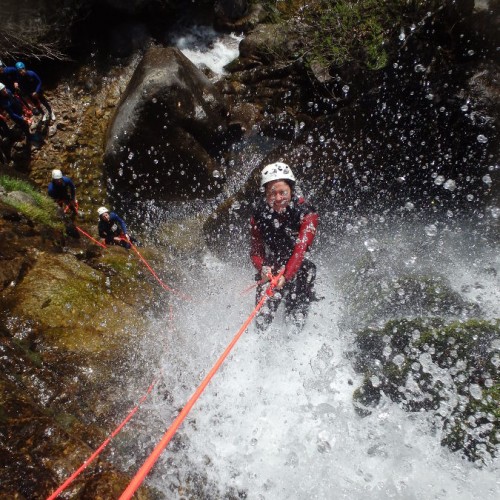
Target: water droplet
[475, 391]
[345, 89]
[419, 68]
[431, 230]
[402, 35]
[216, 174]
[372, 244]
[487, 179]
[450, 185]
[409, 205]
[482, 139]
[398, 360]
[495, 212]
[130, 155]
[439, 180]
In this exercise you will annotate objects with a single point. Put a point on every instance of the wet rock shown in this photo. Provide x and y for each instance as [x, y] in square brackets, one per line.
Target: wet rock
[21, 197]
[169, 129]
[231, 9]
[434, 366]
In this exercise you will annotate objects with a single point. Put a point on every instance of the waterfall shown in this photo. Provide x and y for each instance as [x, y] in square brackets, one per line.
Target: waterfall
[278, 420]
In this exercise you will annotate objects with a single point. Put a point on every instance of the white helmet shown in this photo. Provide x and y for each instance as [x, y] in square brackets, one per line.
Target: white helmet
[276, 171]
[102, 210]
[2, 86]
[57, 174]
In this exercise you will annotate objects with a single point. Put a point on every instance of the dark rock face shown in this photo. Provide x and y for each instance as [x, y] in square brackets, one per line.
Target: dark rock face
[54, 412]
[232, 9]
[169, 129]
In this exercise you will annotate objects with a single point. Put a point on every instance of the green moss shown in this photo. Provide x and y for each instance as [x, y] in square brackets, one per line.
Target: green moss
[474, 431]
[44, 209]
[464, 340]
[464, 349]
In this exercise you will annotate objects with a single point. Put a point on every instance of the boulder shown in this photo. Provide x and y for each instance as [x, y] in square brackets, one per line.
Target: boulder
[231, 9]
[167, 133]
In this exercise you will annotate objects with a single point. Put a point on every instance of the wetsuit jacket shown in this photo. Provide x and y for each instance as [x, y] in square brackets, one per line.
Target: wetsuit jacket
[282, 239]
[114, 227]
[13, 107]
[29, 82]
[8, 77]
[65, 191]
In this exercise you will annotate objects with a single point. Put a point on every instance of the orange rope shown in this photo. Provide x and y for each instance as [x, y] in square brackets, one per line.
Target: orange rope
[151, 460]
[102, 446]
[90, 237]
[151, 270]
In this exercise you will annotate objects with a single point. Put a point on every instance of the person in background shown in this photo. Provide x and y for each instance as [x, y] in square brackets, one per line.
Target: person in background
[62, 190]
[14, 109]
[30, 86]
[283, 227]
[8, 76]
[112, 229]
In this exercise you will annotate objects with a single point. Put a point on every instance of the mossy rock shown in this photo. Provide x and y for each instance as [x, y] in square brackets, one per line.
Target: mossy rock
[76, 306]
[376, 297]
[474, 432]
[433, 365]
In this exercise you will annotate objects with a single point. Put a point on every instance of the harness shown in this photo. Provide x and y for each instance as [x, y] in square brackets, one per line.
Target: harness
[280, 230]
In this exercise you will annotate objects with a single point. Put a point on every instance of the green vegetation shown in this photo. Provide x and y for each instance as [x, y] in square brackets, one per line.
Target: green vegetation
[340, 32]
[42, 210]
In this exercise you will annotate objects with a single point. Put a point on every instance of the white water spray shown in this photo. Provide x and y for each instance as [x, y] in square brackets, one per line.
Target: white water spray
[277, 421]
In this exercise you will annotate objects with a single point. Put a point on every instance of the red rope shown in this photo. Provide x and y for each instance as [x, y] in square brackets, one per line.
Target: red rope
[102, 446]
[153, 457]
[90, 237]
[151, 270]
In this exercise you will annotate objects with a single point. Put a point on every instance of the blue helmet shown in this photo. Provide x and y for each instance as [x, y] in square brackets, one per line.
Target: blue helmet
[20, 65]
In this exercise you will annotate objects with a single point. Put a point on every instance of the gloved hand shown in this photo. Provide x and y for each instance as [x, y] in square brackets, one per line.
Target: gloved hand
[265, 273]
[281, 283]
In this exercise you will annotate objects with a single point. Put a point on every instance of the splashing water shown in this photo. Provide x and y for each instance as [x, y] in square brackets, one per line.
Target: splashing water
[203, 46]
[277, 421]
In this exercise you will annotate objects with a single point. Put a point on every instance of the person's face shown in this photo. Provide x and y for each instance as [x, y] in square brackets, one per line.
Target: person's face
[58, 181]
[22, 72]
[278, 195]
[105, 216]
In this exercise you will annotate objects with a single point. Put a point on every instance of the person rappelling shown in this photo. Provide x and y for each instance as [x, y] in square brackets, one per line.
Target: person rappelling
[283, 227]
[112, 229]
[14, 110]
[30, 87]
[63, 191]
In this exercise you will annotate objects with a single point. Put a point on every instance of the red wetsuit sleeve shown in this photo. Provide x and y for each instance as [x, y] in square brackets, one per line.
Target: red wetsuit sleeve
[307, 232]
[256, 246]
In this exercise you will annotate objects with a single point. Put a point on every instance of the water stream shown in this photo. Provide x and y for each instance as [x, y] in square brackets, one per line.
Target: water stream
[277, 421]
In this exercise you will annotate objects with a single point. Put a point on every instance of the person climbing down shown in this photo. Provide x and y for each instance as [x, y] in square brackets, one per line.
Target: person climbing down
[283, 227]
[30, 86]
[15, 110]
[8, 76]
[112, 229]
[62, 190]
